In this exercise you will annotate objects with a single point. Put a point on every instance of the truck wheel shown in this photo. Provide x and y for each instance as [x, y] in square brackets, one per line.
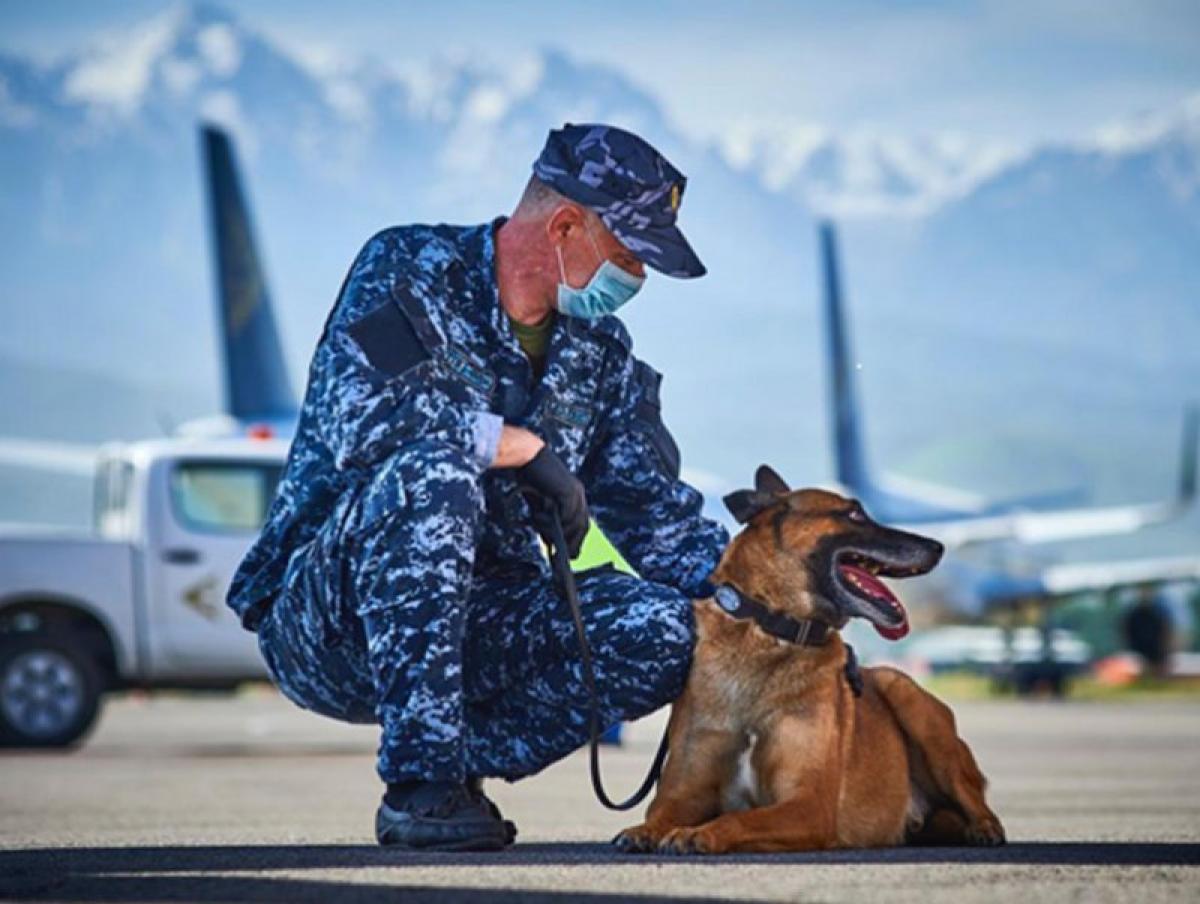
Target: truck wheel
[49, 690]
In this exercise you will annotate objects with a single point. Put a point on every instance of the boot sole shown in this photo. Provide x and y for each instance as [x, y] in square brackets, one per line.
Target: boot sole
[434, 835]
[482, 843]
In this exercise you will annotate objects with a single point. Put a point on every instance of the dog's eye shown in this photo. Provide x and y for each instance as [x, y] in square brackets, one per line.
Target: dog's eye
[856, 514]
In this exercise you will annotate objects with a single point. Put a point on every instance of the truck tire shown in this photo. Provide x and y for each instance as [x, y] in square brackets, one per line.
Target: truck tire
[50, 690]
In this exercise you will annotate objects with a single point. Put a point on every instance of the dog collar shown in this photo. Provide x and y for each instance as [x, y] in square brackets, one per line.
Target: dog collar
[804, 632]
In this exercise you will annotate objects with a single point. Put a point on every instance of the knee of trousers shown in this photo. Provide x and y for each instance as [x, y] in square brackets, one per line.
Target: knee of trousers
[415, 526]
[421, 481]
[650, 640]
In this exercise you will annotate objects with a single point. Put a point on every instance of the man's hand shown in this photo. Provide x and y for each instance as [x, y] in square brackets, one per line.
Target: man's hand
[517, 447]
[554, 488]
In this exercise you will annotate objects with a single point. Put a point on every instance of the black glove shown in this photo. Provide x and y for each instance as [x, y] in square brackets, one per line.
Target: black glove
[549, 486]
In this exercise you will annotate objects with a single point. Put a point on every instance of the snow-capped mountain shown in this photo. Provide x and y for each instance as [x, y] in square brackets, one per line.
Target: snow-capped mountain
[1038, 295]
[1096, 244]
[863, 174]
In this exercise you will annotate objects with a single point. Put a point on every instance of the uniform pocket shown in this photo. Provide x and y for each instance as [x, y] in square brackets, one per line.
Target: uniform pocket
[310, 613]
[564, 422]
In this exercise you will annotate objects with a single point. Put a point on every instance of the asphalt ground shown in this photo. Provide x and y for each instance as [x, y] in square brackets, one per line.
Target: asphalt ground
[218, 798]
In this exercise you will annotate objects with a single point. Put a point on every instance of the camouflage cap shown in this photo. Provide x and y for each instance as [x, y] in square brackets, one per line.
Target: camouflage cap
[632, 187]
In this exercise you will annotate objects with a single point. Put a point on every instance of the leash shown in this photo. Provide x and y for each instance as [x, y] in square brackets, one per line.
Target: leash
[566, 584]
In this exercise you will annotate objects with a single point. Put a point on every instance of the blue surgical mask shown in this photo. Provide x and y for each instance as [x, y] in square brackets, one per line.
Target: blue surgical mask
[608, 289]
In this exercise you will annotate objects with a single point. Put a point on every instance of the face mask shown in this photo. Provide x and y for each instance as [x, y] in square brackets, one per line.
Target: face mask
[608, 289]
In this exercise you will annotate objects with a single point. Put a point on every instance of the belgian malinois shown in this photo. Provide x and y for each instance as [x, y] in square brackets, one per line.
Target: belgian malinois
[778, 742]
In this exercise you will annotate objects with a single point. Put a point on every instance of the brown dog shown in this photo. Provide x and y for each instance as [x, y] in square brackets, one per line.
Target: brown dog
[771, 746]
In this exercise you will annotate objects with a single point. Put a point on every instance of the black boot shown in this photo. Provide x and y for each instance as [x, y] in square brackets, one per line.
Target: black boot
[475, 786]
[437, 816]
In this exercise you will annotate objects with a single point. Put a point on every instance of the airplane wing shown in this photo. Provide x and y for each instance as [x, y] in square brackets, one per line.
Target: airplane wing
[1078, 577]
[1073, 524]
[934, 495]
[1047, 527]
[48, 455]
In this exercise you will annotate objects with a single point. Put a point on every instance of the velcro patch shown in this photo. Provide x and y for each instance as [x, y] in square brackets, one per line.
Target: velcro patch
[388, 340]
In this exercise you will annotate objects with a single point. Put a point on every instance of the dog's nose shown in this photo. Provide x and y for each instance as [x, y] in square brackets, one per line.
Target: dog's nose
[936, 549]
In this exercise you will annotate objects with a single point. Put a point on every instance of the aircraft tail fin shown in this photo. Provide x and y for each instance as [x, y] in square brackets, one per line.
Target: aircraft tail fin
[1188, 459]
[256, 380]
[849, 452]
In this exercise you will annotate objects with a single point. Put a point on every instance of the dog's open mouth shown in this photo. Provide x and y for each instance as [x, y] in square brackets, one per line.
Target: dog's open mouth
[857, 578]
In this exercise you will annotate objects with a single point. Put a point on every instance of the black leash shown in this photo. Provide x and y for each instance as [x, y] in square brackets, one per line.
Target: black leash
[566, 583]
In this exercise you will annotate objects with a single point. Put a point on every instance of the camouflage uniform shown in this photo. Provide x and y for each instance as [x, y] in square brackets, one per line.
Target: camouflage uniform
[398, 580]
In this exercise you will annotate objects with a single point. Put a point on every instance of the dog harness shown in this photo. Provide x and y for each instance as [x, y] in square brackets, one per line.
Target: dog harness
[804, 632]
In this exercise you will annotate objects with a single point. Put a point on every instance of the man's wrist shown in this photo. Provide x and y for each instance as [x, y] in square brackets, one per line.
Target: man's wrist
[487, 430]
[517, 447]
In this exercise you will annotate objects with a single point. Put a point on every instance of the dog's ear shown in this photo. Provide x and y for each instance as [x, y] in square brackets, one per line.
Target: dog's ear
[767, 481]
[745, 504]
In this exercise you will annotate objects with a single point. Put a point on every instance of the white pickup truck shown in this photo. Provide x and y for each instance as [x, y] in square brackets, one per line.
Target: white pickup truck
[140, 601]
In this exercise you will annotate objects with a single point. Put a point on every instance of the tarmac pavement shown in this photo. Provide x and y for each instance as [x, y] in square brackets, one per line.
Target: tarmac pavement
[222, 798]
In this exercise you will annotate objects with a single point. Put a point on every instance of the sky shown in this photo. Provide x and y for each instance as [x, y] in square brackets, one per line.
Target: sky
[1005, 71]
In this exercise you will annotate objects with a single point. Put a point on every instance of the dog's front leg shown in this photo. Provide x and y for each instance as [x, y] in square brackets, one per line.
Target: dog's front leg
[800, 824]
[701, 761]
[797, 767]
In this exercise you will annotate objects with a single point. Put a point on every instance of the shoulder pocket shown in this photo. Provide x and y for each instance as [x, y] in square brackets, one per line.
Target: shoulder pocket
[649, 413]
[388, 339]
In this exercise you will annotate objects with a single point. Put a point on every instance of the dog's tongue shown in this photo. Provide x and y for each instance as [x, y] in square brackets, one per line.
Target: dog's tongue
[872, 586]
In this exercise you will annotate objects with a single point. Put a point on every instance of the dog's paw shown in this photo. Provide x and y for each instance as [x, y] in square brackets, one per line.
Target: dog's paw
[688, 840]
[985, 832]
[636, 840]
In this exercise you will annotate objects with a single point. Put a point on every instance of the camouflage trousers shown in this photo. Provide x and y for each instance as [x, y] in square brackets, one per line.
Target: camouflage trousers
[469, 671]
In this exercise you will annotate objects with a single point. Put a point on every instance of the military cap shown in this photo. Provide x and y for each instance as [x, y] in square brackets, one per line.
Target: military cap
[632, 187]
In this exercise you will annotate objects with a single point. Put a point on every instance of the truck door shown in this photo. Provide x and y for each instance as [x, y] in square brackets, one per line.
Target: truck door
[211, 512]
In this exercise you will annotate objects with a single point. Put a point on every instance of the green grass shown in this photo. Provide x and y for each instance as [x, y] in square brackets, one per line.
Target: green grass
[1142, 689]
[971, 686]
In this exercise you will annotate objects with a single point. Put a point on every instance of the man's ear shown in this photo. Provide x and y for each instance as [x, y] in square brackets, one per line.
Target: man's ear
[767, 481]
[565, 217]
[745, 504]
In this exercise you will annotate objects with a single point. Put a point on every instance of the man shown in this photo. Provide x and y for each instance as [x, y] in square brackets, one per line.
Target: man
[399, 578]
[1147, 628]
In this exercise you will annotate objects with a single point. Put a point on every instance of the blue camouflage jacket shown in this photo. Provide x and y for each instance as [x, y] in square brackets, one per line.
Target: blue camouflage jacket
[418, 347]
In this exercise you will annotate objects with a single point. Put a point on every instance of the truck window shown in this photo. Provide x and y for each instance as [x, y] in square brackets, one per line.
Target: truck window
[223, 496]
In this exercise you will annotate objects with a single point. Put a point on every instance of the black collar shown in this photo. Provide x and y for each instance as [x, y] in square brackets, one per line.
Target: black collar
[804, 632]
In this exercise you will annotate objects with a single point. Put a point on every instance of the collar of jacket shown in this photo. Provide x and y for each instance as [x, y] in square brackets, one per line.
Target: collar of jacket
[803, 632]
[476, 247]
